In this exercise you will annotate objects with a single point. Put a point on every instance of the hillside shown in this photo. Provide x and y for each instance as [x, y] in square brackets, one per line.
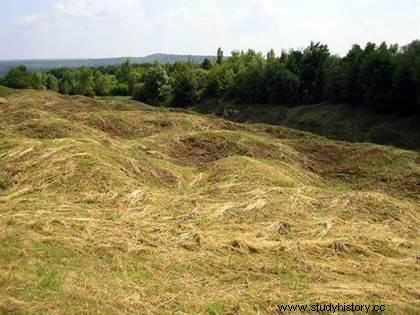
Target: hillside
[115, 207]
[335, 121]
[45, 64]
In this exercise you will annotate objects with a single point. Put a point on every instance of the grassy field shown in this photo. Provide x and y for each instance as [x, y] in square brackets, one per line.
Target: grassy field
[112, 206]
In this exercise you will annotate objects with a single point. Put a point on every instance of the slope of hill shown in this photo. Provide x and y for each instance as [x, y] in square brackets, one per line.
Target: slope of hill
[118, 207]
[44, 64]
[336, 121]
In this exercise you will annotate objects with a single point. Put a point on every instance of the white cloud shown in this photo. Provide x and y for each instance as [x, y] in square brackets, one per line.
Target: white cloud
[29, 20]
[122, 28]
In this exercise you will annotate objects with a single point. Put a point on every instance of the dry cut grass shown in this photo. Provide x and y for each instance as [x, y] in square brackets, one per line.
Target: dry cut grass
[119, 208]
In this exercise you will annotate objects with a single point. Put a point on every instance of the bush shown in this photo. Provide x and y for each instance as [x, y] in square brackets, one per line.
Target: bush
[121, 89]
[138, 92]
[18, 78]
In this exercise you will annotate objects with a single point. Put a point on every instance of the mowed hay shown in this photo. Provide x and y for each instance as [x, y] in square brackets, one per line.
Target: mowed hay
[79, 168]
[130, 124]
[208, 146]
[244, 169]
[49, 128]
[114, 207]
[363, 166]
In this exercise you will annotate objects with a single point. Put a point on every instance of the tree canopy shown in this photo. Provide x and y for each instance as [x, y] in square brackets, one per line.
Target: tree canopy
[383, 77]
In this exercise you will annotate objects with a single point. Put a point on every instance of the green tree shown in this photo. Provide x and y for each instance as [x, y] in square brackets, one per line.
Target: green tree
[335, 82]
[219, 81]
[378, 72]
[188, 87]
[67, 84]
[124, 71]
[271, 55]
[18, 77]
[406, 85]
[126, 75]
[282, 85]
[65, 87]
[352, 71]
[138, 91]
[52, 82]
[104, 83]
[313, 72]
[157, 89]
[121, 89]
[84, 82]
[206, 64]
[219, 56]
[293, 61]
[249, 78]
[37, 81]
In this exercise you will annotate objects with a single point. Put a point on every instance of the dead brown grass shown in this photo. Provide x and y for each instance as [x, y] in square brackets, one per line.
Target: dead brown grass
[113, 207]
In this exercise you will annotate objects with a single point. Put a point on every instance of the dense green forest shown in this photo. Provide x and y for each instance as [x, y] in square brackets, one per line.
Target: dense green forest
[384, 77]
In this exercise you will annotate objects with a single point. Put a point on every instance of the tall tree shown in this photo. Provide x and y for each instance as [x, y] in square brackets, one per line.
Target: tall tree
[313, 72]
[406, 85]
[352, 68]
[52, 83]
[84, 82]
[219, 56]
[378, 72]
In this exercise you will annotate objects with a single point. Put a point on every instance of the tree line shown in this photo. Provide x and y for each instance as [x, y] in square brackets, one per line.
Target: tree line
[384, 77]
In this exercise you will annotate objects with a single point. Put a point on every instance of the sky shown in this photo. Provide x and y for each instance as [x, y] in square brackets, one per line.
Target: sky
[119, 28]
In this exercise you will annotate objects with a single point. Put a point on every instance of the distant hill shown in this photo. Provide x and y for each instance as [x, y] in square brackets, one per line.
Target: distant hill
[44, 64]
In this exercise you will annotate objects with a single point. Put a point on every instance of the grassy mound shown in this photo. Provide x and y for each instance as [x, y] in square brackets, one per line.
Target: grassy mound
[5, 91]
[111, 206]
[202, 147]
